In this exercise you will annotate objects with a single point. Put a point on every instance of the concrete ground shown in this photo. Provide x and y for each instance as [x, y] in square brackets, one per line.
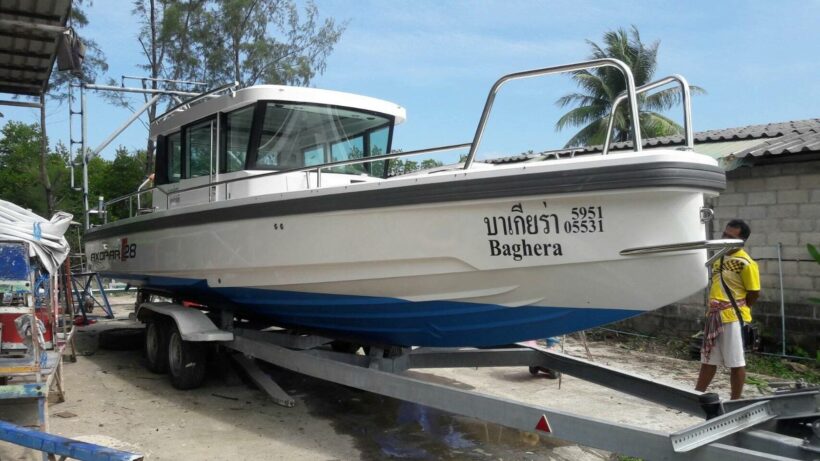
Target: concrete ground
[113, 400]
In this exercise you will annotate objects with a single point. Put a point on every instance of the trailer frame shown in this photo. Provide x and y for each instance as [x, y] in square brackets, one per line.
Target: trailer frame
[738, 430]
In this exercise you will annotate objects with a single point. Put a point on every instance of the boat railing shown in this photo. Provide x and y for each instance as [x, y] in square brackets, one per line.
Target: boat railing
[307, 169]
[629, 94]
[605, 62]
[687, 108]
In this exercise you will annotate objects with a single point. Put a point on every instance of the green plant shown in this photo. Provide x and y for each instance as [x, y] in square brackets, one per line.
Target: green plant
[761, 384]
[781, 368]
[798, 351]
[816, 255]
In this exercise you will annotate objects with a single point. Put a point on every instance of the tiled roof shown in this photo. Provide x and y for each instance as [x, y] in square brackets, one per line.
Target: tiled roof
[775, 139]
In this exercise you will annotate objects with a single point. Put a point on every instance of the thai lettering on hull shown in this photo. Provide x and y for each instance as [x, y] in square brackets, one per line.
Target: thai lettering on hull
[518, 223]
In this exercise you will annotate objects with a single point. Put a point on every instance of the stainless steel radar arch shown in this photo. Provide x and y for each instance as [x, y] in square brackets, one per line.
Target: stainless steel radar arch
[605, 62]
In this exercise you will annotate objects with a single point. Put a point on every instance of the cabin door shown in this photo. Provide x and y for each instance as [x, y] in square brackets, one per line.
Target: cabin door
[199, 163]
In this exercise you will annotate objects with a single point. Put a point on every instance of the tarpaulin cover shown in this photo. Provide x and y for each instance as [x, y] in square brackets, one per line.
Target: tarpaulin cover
[45, 237]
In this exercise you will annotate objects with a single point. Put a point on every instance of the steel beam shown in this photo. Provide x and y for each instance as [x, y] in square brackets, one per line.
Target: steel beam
[588, 431]
[671, 396]
[785, 406]
[137, 90]
[33, 105]
[125, 125]
[722, 426]
[772, 442]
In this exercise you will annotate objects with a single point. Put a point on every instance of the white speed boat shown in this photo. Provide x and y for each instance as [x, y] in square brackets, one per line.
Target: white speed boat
[273, 202]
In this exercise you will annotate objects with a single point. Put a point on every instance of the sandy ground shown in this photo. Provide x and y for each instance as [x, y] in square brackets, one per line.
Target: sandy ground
[113, 400]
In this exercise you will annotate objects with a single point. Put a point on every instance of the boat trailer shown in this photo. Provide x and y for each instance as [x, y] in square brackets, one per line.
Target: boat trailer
[776, 427]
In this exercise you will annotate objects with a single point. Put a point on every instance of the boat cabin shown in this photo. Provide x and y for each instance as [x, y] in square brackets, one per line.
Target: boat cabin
[268, 128]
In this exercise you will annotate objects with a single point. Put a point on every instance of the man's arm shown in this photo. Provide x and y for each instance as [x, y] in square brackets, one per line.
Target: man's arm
[751, 297]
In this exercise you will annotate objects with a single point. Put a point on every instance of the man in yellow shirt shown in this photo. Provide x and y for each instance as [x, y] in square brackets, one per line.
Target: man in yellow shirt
[722, 337]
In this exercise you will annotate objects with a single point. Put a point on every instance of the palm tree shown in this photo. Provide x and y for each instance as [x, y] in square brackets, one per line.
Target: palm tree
[600, 86]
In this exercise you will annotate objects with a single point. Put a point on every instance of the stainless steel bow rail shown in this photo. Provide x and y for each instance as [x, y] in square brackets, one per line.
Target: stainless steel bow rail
[606, 62]
[689, 139]
[719, 246]
[776, 427]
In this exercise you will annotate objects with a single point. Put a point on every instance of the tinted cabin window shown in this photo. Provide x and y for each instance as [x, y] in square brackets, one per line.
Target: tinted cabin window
[296, 135]
[173, 148]
[237, 135]
[198, 146]
[347, 150]
[314, 156]
[377, 145]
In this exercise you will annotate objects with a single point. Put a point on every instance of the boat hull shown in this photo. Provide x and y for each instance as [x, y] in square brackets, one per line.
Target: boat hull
[482, 272]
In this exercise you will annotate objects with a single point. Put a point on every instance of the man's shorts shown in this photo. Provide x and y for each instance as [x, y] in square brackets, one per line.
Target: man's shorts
[728, 349]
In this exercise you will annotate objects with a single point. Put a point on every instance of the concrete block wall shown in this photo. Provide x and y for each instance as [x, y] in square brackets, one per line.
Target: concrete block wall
[781, 203]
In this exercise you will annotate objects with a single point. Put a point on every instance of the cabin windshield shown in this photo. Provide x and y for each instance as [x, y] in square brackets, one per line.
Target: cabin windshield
[298, 135]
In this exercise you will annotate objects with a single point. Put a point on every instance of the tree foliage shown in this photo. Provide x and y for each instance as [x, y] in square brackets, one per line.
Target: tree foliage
[222, 41]
[248, 41]
[20, 166]
[600, 86]
[19, 173]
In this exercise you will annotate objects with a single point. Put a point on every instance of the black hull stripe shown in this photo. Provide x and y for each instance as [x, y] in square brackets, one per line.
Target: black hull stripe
[667, 174]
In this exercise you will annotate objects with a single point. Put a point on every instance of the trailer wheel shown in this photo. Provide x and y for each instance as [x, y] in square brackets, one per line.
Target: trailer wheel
[156, 345]
[186, 361]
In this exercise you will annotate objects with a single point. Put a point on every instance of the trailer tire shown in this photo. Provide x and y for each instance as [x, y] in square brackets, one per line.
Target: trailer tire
[186, 361]
[155, 346]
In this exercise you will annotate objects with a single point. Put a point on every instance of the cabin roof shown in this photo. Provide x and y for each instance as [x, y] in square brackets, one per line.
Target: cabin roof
[247, 96]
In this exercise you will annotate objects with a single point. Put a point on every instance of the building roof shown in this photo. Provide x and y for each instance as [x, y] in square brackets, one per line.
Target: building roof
[793, 137]
[30, 33]
[775, 138]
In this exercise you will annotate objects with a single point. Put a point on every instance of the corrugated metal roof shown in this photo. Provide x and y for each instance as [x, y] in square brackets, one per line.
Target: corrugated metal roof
[30, 31]
[793, 137]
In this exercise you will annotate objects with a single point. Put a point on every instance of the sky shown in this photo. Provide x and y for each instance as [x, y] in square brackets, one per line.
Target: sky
[757, 61]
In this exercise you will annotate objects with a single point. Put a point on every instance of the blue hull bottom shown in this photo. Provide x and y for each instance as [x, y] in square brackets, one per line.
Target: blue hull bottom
[392, 321]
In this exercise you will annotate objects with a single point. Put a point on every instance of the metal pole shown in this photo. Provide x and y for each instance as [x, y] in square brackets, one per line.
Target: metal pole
[125, 125]
[85, 159]
[620, 65]
[33, 105]
[782, 299]
[685, 99]
[138, 90]
[186, 82]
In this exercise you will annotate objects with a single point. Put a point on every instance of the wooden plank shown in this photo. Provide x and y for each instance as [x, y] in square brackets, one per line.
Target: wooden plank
[61, 446]
[22, 391]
